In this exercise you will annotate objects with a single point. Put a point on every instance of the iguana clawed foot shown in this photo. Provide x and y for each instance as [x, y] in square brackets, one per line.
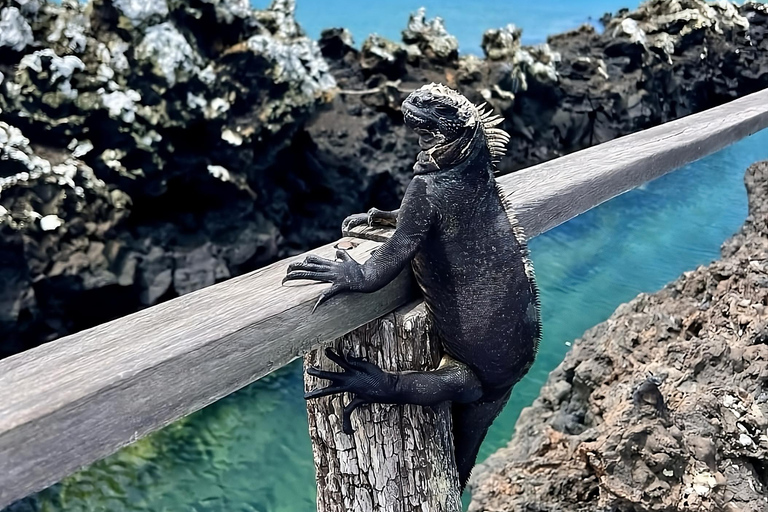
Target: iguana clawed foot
[365, 380]
[345, 274]
[373, 217]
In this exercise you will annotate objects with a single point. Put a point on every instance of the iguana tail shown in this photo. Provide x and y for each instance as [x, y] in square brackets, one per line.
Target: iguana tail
[470, 425]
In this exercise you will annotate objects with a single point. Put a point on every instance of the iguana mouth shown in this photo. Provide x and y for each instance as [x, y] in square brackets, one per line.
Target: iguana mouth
[425, 163]
[419, 123]
[427, 139]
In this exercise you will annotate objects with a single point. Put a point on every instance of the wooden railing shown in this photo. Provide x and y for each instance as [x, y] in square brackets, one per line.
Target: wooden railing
[75, 400]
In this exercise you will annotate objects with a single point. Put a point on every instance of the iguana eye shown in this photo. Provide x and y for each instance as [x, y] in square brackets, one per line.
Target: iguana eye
[443, 109]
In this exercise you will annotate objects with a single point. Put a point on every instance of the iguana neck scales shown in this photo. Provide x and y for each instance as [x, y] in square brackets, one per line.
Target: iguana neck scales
[471, 262]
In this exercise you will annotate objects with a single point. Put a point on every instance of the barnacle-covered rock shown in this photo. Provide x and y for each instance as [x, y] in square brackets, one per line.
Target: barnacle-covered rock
[431, 37]
[502, 43]
[15, 32]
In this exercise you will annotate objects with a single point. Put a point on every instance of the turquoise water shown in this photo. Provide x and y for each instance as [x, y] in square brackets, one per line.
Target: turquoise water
[537, 19]
[251, 452]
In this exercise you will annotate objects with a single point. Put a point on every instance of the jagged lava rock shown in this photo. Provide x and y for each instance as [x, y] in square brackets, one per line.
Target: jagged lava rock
[134, 137]
[596, 439]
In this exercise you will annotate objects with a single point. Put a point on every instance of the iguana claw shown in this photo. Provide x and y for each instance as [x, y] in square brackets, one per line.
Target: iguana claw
[373, 217]
[366, 380]
[344, 274]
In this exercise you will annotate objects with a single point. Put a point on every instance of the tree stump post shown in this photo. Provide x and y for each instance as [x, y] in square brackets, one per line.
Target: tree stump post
[400, 458]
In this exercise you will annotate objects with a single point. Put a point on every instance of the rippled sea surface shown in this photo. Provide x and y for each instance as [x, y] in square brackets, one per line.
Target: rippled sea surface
[251, 451]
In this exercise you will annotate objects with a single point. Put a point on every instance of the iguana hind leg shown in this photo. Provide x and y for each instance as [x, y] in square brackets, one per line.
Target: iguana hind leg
[374, 217]
[453, 381]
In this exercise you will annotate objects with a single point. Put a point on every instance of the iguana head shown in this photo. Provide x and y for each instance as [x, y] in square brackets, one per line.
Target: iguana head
[450, 128]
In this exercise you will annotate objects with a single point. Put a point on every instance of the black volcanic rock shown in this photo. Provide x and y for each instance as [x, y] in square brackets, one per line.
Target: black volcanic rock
[139, 145]
[151, 148]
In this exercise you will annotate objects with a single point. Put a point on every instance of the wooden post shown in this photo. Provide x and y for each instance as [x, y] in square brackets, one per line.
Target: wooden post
[400, 458]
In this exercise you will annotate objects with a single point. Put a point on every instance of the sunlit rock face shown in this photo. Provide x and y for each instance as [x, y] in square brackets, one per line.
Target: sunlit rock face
[663, 406]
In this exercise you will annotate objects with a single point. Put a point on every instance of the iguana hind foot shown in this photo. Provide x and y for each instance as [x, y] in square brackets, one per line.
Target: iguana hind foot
[452, 381]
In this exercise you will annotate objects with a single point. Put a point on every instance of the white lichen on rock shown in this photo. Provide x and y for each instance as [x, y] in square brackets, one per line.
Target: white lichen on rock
[14, 147]
[543, 63]
[71, 25]
[50, 222]
[298, 60]
[632, 30]
[80, 148]
[521, 62]
[665, 23]
[231, 137]
[228, 10]
[117, 58]
[31, 170]
[430, 36]
[219, 172]
[502, 43]
[121, 104]
[381, 48]
[138, 12]
[195, 101]
[280, 19]
[15, 32]
[216, 108]
[61, 68]
[169, 51]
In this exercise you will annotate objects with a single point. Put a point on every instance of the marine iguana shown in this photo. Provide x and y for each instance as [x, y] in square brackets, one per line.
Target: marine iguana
[470, 260]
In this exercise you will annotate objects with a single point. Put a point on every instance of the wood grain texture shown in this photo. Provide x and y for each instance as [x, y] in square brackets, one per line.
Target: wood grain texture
[73, 401]
[400, 458]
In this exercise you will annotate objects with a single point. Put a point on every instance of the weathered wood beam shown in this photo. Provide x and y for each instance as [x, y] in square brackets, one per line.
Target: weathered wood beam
[73, 401]
[78, 399]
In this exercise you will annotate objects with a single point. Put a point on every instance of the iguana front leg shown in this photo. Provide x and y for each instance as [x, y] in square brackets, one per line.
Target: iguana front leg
[372, 218]
[452, 381]
[416, 218]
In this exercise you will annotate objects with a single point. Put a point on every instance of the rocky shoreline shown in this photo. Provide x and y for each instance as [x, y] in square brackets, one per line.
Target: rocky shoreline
[150, 149]
[663, 407]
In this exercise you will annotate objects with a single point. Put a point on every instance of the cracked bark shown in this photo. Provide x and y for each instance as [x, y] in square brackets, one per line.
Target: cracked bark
[400, 458]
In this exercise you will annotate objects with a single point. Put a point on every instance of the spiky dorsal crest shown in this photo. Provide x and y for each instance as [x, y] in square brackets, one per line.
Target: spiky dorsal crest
[496, 138]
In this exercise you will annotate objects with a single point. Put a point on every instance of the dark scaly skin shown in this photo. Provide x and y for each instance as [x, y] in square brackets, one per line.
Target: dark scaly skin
[469, 261]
